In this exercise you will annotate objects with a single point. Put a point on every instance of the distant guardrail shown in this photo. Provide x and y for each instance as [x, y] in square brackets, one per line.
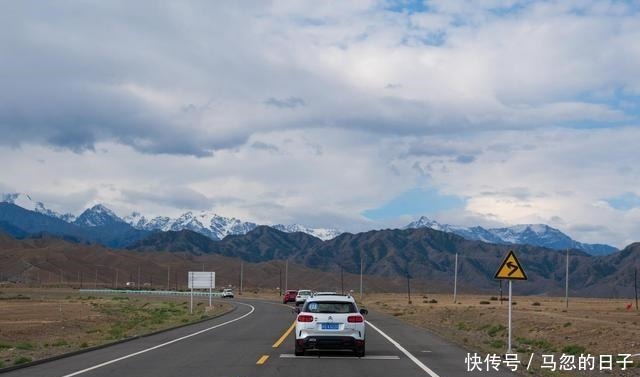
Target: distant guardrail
[154, 293]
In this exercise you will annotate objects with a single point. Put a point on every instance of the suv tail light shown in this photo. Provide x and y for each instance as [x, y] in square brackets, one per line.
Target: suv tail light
[306, 318]
[355, 319]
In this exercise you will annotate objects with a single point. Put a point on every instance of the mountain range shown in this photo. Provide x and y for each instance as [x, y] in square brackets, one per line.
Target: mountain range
[50, 261]
[207, 223]
[424, 254]
[524, 234]
[389, 256]
[103, 225]
[420, 252]
[25, 201]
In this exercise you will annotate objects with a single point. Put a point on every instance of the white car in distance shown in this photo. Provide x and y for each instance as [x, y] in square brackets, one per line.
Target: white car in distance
[326, 294]
[302, 296]
[330, 322]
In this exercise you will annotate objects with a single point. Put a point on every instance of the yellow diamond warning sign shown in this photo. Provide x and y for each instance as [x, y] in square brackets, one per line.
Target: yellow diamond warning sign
[511, 269]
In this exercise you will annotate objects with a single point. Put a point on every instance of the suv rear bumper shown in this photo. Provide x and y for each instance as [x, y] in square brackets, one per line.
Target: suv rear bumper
[322, 342]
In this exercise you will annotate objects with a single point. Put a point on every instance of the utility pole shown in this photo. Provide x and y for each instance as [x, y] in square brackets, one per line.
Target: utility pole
[566, 289]
[138, 285]
[168, 277]
[510, 308]
[455, 281]
[241, 275]
[286, 275]
[95, 283]
[635, 285]
[116, 278]
[361, 269]
[80, 280]
[342, 279]
[191, 306]
[409, 287]
[280, 285]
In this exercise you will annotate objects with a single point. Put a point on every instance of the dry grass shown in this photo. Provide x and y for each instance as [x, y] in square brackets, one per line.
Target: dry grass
[40, 323]
[540, 324]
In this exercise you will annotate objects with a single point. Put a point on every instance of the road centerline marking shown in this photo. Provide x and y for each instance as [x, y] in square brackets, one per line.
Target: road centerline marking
[284, 336]
[403, 350]
[163, 344]
[262, 360]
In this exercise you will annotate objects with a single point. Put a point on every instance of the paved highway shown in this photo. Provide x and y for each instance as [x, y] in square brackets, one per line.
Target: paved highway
[254, 340]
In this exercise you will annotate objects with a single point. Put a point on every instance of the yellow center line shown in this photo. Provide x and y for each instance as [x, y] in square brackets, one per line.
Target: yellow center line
[262, 360]
[285, 335]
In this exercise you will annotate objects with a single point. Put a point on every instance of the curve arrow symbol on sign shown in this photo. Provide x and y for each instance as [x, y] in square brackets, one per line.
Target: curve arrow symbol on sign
[513, 267]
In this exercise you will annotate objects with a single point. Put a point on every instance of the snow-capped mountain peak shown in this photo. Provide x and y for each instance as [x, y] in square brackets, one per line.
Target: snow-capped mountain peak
[217, 227]
[425, 222]
[135, 219]
[207, 223]
[522, 234]
[525, 233]
[98, 215]
[223, 226]
[27, 202]
[322, 233]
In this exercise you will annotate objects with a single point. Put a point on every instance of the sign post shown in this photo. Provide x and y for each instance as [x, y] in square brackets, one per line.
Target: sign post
[201, 280]
[510, 269]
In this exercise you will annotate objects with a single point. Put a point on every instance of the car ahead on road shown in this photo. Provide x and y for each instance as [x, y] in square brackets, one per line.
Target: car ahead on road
[330, 322]
[289, 296]
[227, 293]
[302, 296]
[326, 294]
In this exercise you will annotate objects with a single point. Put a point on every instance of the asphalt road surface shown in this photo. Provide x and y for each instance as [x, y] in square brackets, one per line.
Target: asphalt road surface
[254, 340]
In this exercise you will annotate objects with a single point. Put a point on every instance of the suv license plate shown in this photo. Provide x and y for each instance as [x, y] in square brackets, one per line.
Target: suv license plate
[330, 326]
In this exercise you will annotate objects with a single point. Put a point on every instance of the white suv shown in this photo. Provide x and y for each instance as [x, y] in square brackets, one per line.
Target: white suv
[330, 322]
[302, 296]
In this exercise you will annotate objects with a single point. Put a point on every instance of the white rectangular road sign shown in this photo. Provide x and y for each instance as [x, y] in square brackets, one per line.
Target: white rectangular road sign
[202, 280]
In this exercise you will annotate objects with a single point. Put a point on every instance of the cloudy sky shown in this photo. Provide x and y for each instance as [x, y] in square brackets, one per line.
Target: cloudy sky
[349, 114]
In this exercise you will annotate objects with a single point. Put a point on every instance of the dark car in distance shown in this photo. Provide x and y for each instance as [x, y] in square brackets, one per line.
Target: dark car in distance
[289, 296]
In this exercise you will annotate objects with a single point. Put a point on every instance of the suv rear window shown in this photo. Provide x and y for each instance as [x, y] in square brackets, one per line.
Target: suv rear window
[329, 307]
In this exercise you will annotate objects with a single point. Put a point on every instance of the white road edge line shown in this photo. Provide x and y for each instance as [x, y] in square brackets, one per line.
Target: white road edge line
[407, 353]
[161, 345]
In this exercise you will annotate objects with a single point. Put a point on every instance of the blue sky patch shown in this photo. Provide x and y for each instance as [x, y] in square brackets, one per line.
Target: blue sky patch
[417, 201]
[625, 201]
[408, 6]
